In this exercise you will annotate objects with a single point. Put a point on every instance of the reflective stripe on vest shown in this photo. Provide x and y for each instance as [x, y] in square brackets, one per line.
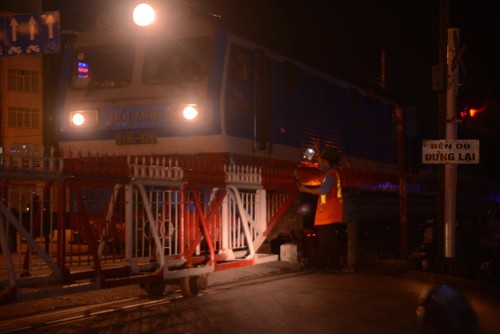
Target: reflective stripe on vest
[339, 187]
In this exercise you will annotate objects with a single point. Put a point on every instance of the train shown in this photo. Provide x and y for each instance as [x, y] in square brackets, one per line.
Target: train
[179, 148]
[193, 87]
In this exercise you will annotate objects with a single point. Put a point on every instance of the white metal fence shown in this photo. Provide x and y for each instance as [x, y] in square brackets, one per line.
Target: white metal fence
[52, 226]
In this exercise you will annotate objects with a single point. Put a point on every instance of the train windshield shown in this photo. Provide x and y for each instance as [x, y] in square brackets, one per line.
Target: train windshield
[176, 61]
[102, 66]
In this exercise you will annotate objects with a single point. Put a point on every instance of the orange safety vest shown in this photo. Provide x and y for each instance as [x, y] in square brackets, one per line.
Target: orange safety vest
[330, 208]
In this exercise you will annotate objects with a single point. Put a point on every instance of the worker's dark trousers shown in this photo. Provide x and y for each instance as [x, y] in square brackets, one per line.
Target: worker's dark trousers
[328, 256]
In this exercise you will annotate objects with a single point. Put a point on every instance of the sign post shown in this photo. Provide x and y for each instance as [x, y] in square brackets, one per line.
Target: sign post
[450, 170]
[450, 151]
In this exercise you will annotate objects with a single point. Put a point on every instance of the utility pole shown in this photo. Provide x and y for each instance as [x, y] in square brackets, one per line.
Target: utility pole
[403, 197]
[448, 68]
[450, 175]
[444, 21]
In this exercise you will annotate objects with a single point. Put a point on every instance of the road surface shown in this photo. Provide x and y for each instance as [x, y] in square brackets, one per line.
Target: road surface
[294, 302]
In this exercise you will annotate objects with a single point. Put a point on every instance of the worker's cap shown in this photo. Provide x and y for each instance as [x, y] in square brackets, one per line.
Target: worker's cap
[330, 154]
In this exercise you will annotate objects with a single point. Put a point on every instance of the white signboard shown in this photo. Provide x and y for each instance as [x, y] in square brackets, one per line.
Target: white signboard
[450, 151]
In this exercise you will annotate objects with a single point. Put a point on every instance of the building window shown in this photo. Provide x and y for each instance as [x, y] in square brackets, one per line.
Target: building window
[24, 118]
[24, 81]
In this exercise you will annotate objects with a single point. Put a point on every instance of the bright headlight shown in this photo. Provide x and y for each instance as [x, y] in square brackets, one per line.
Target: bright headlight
[77, 119]
[190, 112]
[143, 15]
[83, 118]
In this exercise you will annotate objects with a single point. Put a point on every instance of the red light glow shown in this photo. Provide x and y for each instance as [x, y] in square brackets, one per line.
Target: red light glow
[472, 111]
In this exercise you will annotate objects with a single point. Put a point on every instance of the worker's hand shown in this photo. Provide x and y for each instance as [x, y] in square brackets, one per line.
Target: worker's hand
[300, 186]
[317, 148]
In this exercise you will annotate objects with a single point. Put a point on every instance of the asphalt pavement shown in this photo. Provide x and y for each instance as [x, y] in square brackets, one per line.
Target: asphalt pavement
[382, 299]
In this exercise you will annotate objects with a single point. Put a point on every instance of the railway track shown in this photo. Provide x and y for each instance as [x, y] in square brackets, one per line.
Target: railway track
[53, 321]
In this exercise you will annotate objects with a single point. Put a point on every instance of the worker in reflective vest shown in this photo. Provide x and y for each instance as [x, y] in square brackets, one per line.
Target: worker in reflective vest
[329, 210]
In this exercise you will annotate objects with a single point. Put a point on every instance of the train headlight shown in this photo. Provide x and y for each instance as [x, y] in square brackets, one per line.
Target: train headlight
[190, 112]
[83, 119]
[77, 119]
[144, 15]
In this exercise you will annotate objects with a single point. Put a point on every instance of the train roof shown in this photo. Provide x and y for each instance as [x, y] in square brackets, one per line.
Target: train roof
[312, 65]
[109, 30]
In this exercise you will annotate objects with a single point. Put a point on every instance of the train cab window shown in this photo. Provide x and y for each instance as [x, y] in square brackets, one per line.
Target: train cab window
[176, 62]
[102, 66]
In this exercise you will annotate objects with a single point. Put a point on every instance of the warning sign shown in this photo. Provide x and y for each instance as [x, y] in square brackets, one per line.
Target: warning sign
[450, 151]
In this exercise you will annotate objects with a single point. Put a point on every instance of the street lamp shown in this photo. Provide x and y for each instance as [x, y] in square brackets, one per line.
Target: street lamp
[144, 15]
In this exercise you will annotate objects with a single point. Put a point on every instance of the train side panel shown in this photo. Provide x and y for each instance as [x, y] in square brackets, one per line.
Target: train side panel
[279, 104]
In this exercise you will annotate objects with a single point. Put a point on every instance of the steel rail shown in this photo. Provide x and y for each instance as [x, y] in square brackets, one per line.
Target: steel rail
[58, 317]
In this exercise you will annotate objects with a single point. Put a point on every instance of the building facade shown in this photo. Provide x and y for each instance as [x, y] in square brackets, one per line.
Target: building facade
[21, 89]
[21, 104]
